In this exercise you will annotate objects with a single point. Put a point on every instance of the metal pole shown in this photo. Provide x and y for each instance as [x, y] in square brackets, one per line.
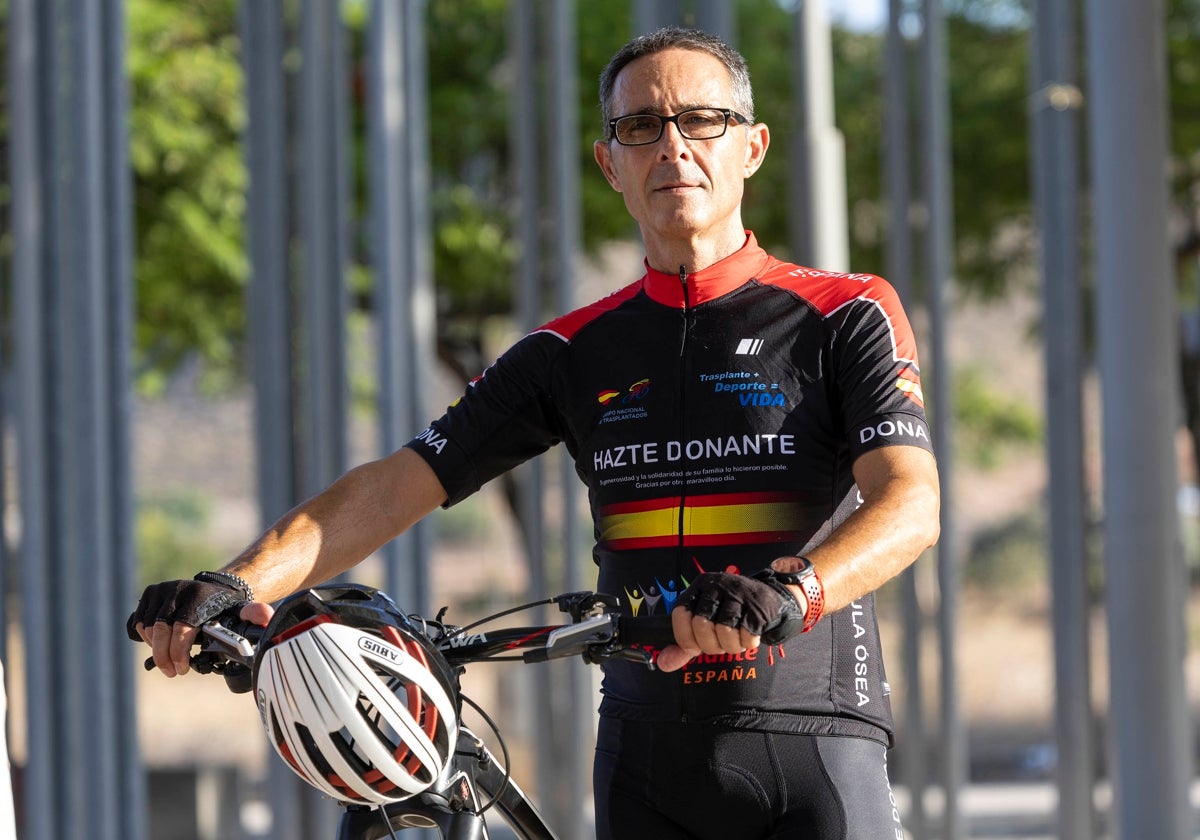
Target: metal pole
[897, 177]
[322, 214]
[528, 144]
[576, 716]
[818, 228]
[271, 311]
[323, 194]
[718, 17]
[649, 15]
[1137, 310]
[1055, 102]
[935, 137]
[30, 80]
[131, 792]
[387, 113]
[269, 301]
[419, 289]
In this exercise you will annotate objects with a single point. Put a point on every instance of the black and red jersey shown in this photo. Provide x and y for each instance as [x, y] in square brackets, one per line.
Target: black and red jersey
[714, 418]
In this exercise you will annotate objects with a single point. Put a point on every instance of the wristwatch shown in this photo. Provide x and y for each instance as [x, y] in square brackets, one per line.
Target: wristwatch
[814, 591]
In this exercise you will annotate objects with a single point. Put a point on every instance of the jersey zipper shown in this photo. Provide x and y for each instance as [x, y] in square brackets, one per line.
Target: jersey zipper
[683, 340]
[680, 563]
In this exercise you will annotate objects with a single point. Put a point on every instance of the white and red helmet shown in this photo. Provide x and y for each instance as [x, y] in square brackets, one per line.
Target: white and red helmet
[356, 701]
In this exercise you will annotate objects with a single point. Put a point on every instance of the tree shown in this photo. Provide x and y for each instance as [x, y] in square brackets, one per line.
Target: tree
[187, 115]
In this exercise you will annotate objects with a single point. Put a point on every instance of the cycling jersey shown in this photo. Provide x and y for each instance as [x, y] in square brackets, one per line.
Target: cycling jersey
[714, 418]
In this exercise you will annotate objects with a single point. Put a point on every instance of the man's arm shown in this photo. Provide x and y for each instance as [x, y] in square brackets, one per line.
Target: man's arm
[319, 539]
[897, 520]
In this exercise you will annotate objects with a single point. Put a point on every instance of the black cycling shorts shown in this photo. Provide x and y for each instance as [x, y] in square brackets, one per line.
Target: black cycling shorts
[671, 781]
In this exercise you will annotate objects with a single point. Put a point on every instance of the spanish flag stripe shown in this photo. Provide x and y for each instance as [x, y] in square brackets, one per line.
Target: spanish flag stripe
[700, 541]
[711, 500]
[706, 521]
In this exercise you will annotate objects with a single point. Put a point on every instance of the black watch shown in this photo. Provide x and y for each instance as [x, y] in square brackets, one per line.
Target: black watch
[796, 578]
[814, 591]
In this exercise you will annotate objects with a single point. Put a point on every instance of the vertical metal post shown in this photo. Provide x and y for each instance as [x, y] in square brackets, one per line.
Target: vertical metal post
[528, 156]
[526, 163]
[72, 298]
[273, 315]
[91, 430]
[817, 223]
[401, 229]
[30, 78]
[298, 812]
[649, 15]
[1137, 319]
[898, 255]
[935, 140]
[1055, 102]
[269, 303]
[419, 288]
[323, 193]
[575, 706]
[118, 222]
[391, 243]
[718, 17]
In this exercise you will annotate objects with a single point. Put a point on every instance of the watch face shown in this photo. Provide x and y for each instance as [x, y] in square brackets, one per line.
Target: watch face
[803, 570]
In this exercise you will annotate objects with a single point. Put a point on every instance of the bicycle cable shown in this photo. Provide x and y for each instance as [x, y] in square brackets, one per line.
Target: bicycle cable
[503, 751]
[501, 614]
[387, 823]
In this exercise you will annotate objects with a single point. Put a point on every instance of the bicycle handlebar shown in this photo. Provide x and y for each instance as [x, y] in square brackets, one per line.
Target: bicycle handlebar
[228, 644]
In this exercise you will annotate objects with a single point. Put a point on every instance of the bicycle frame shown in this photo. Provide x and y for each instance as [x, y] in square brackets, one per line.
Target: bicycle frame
[453, 804]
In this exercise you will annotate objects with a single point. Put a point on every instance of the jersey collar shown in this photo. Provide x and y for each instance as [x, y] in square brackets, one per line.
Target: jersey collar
[718, 279]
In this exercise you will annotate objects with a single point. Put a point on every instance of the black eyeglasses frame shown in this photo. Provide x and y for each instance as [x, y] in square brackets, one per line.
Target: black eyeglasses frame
[729, 114]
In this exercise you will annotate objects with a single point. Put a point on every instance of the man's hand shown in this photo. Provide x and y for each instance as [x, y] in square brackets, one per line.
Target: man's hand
[168, 614]
[724, 613]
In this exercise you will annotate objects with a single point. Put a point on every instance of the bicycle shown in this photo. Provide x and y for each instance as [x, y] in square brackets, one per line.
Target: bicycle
[473, 781]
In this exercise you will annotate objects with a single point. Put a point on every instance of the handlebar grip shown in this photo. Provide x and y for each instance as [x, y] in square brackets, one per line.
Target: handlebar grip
[651, 630]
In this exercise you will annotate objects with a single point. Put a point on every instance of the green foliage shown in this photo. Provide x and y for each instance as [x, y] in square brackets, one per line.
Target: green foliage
[187, 113]
[990, 421]
[990, 149]
[1183, 62]
[170, 537]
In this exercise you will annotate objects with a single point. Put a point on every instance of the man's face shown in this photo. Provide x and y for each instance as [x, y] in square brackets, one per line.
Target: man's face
[677, 188]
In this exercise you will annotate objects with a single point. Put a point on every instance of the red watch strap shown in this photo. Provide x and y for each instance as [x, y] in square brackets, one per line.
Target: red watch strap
[814, 594]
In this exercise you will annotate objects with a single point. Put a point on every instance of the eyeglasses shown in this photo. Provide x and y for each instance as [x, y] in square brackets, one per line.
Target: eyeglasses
[694, 124]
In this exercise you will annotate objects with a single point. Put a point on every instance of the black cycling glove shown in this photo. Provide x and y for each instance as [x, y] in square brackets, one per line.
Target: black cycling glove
[190, 601]
[765, 608]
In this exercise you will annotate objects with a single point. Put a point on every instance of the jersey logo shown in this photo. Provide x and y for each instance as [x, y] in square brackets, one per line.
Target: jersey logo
[910, 384]
[749, 347]
[629, 405]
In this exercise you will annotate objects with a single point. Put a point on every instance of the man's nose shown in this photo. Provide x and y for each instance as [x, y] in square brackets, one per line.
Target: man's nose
[672, 144]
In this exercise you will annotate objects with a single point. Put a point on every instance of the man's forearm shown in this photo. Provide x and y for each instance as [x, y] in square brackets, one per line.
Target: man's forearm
[335, 530]
[897, 520]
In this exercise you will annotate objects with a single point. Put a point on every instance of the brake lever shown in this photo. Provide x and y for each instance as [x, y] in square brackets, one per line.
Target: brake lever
[585, 604]
[218, 645]
[226, 640]
[598, 656]
[574, 639]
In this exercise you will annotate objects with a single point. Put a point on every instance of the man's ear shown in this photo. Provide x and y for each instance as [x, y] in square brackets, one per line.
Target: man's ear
[602, 153]
[758, 139]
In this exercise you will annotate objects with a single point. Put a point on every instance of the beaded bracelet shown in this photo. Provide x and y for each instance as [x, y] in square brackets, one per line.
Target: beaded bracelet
[229, 579]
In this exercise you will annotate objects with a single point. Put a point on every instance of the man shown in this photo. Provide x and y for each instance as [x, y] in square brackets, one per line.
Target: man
[754, 443]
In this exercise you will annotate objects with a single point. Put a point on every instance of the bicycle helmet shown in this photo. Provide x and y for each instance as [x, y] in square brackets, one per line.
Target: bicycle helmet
[354, 699]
